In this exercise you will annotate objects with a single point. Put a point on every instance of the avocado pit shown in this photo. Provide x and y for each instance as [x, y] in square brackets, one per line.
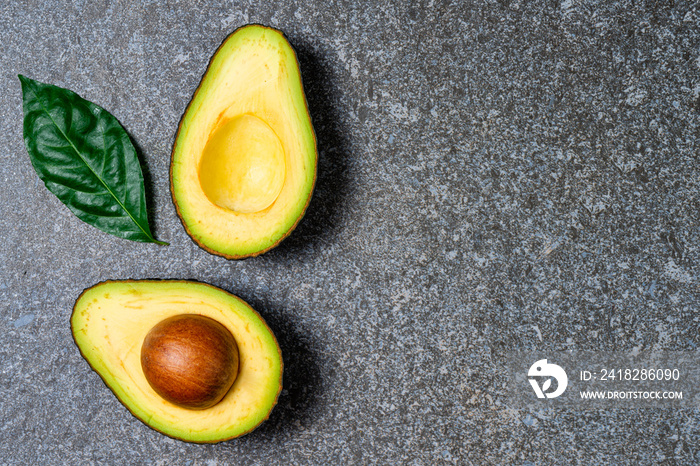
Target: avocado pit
[190, 360]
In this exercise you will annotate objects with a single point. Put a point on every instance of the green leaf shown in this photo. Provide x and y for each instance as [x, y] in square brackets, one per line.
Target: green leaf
[86, 158]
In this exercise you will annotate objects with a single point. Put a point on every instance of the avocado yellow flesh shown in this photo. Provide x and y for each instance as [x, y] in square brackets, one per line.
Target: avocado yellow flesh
[242, 166]
[244, 160]
[111, 320]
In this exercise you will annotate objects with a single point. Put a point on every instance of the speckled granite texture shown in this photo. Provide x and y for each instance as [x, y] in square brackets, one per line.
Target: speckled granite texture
[493, 176]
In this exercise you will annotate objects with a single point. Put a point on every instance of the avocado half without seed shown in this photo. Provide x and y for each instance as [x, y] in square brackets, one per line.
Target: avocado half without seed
[244, 161]
[188, 359]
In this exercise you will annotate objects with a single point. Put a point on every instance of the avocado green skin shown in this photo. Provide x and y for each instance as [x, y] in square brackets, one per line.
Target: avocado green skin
[73, 332]
[172, 182]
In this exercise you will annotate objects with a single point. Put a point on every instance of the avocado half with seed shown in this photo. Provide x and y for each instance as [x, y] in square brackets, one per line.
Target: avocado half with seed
[244, 161]
[112, 321]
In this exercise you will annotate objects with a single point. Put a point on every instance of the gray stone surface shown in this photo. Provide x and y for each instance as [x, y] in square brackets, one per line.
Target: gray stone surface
[487, 170]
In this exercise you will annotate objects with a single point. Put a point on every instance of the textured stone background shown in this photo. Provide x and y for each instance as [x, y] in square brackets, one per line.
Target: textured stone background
[487, 170]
